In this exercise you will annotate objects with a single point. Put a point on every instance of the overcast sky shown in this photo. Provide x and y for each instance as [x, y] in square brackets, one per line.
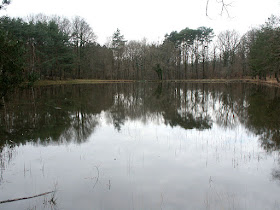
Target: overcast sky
[151, 19]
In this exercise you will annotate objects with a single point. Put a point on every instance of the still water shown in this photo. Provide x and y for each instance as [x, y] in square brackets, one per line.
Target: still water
[141, 146]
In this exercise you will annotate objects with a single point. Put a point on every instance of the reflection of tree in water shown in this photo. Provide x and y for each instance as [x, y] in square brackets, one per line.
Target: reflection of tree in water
[6, 155]
[64, 113]
[71, 113]
[276, 174]
[22, 120]
[263, 117]
[153, 102]
[118, 112]
[187, 108]
[189, 122]
[51, 114]
[82, 125]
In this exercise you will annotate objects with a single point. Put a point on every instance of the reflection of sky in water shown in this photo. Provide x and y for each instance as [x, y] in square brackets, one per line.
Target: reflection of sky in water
[147, 166]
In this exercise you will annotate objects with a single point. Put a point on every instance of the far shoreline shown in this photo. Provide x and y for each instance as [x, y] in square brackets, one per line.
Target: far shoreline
[268, 82]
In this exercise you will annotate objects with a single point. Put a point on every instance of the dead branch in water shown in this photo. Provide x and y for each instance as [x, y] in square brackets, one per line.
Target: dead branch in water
[18, 199]
[97, 176]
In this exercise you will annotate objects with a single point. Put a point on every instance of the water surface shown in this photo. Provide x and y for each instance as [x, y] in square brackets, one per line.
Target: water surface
[141, 146]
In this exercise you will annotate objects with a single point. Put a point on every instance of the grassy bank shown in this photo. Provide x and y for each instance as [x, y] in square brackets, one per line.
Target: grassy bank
[77, 81]
[270, 82]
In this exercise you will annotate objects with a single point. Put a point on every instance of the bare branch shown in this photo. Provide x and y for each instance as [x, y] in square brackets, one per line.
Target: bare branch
[18, 199]
[207, 3]
[224, 7]
[4, 4]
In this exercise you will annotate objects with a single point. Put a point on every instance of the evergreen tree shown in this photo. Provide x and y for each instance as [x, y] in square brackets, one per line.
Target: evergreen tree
[11, 62]
[118, 44]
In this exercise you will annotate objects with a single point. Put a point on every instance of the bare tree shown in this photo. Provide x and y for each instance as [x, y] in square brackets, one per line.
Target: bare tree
[37, 18]
[63, 23]
[228, 43]
[82, 32]
[82, 35]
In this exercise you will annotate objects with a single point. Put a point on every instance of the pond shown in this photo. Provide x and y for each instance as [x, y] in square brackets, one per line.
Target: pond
[141, 146]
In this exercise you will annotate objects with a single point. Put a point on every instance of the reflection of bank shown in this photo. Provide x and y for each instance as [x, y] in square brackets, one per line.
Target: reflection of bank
[32, 114]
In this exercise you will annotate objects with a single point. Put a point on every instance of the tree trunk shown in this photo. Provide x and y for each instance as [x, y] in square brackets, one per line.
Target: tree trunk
[276, 77]
[203, 68]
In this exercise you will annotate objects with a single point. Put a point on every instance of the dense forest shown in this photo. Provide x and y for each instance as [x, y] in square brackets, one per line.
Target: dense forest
[41, 47]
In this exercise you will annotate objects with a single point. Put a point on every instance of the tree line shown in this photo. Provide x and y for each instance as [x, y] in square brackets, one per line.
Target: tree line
[42, 47]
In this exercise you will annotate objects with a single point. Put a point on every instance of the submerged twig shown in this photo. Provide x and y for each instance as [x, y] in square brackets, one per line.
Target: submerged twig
[24, 198]
[97, 178]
